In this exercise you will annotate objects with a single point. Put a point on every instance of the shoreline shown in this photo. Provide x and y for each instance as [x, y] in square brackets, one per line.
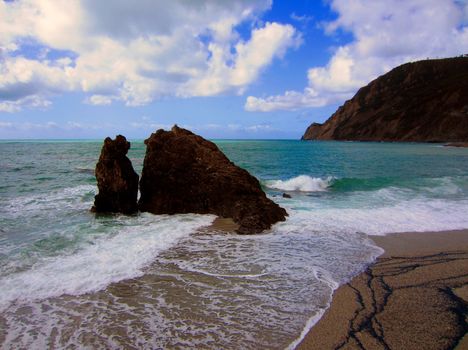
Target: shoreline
[415, 295]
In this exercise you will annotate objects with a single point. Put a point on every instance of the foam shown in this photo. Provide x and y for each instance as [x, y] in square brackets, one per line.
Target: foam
[234, 275]
[212, 278]
[369, 217]
[66, 198]
[309, 324]
[301, 183]
[85, 170]
[445, 186]
[121, 254]
[288, 274]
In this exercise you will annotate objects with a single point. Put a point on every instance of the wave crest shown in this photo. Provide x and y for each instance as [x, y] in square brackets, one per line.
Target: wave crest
[302, 183]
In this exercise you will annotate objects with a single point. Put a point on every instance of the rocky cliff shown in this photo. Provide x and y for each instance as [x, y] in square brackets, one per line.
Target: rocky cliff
[425, 101]
[184, 173]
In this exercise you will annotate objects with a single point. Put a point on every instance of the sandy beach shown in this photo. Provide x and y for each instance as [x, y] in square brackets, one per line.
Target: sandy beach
[414, 297]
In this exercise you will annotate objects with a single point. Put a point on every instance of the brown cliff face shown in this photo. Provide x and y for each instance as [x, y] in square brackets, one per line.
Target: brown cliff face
[425, 101]
[116, 179]
[184, 173]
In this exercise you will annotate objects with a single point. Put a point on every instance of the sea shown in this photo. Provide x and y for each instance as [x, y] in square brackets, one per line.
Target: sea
[75, 280]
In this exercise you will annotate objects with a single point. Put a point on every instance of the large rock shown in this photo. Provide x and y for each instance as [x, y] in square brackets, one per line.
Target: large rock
[184, 173]
[422, 101]
[117, 181]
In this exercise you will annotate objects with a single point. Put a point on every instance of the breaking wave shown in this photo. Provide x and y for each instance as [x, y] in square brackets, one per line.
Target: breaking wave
[302, 183]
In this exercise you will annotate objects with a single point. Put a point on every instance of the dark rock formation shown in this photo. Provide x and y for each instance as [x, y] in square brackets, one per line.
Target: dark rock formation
[117, 181]
[424, 101]
[285, 195]
[184, 173]
[312, 132]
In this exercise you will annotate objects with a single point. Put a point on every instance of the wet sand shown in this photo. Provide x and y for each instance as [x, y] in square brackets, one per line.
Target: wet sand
[223, 225]
[414, 297]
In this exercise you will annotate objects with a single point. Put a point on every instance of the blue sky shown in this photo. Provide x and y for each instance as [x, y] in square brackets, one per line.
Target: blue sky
[224, 69]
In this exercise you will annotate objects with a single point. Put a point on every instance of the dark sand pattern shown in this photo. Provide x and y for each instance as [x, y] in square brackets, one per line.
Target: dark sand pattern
[402, 302]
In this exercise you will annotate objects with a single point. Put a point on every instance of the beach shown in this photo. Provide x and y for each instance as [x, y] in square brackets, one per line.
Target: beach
[414, 297]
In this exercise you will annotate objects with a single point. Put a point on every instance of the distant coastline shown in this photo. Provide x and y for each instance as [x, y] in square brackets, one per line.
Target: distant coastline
[457, 144]
[423, 101]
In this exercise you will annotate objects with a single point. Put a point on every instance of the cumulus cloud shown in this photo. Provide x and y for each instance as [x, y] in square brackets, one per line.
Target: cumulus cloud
[249, 59]
[134, 53]
[386, 33]
[32, 101]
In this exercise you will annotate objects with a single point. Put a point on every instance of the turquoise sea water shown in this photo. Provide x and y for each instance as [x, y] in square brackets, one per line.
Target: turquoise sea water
[70, 278]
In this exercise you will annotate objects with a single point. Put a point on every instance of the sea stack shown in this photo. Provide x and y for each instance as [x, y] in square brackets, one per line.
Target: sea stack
[184, 173]
[117, 181]
[424, 101]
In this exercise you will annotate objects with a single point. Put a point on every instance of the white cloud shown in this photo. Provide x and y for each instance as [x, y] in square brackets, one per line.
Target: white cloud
[134, 52]
[32, 101]
[290, 100]
[236, 71]
[238, 129]
[151, 126]
[386, 34]
[259, 128]
[267, 42]
[99, 100]
[25, 82]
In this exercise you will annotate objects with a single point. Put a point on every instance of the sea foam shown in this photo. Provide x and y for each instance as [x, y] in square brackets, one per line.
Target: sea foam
[380, 212]
[122, 253]
[60, 199]
[301, 183]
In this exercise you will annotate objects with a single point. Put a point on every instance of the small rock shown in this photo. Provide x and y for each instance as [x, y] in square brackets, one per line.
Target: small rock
[117, 181]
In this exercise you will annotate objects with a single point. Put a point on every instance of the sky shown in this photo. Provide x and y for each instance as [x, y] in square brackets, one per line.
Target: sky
[247, 69]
